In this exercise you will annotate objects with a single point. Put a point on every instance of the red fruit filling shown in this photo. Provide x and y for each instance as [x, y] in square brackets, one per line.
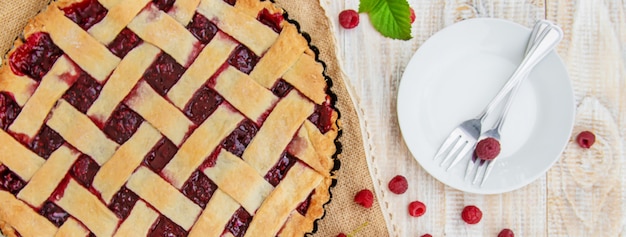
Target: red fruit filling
[278, 172]
[204, 102]
[364, 198]
[417, 209]
[349, 19]
[506, 233]
[341, 235]
[243, 59]
[46, 142]
[210, 161]
[122, 124]
[412, 15]
[281, 88]
[231, 2]
[166, 227]
[35, 57]
[9, 110]
[398, 184]
[321, 117]
[199, 188]
[84, 170]
[238, 224]
[586, 139]
[9, 181]
[86, 13]
[163, 74]
[426, 235]
[271, 20]
[164, 5]
[160, 155]
[239, 139]
[304, 205]
[203, 29]
[54, 213]
[123, 202]
[83, 92]
[124, 43]
[488, 148]
[471, 215]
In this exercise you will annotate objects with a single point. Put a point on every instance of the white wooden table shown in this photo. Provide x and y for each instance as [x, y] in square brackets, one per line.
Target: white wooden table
[582, 195]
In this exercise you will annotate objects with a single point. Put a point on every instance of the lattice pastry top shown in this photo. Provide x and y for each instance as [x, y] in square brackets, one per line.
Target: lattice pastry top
[163, 118]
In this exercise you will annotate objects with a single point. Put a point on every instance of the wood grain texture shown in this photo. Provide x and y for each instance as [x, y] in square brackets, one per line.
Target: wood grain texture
[586, 186]
[582, 195]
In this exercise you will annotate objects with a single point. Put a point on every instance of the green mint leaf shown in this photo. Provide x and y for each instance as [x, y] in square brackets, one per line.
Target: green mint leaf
[390, 17]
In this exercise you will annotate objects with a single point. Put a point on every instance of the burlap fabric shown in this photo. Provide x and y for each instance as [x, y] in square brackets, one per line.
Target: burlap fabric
[342, 214]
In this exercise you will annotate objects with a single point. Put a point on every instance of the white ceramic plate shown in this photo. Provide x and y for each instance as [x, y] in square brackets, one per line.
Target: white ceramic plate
[454, 75]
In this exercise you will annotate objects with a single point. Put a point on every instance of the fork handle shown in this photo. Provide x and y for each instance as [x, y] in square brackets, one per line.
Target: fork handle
[546, 41]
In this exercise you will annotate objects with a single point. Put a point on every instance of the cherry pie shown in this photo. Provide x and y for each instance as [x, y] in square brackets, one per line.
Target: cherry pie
[164, 118]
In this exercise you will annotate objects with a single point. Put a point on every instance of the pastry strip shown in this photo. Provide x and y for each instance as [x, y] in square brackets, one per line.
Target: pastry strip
[250, 32]
[139, 221]
[306, 76]
[77, 129]
[72, 228]
[83, 49]
[200, 145]
[23, 218]
[230, 170]
[28, 163]
[215, 216]
[21, 87]
[116, 20]
[183, 10]
[92, 213]
[53, 85]
[161, 195]
[159, 112]
[160, 29]
[293, 189]
[122, 81]
[45, 181]
[113, 174]
[280, 57]
[266, 147]
[207, 63]
[244, 93]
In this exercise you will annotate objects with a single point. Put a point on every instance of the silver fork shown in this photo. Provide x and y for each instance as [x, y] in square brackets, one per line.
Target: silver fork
[543, 38]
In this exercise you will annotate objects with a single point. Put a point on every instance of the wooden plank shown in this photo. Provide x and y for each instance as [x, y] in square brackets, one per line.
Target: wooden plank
[586, 185]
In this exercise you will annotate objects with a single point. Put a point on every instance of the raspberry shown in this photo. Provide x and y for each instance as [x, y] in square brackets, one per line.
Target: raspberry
[426, 235]
[398, 184]
[488, 148]
[417, 209]
[586, 139]
[506, 233]
[471, 214]
[412, 15]
[341, 235]
[364, 198]
[349, 19]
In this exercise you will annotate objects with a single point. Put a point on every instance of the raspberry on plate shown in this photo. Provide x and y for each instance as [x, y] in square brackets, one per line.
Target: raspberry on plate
[471, 214]
[398, 184]
[488, 148]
